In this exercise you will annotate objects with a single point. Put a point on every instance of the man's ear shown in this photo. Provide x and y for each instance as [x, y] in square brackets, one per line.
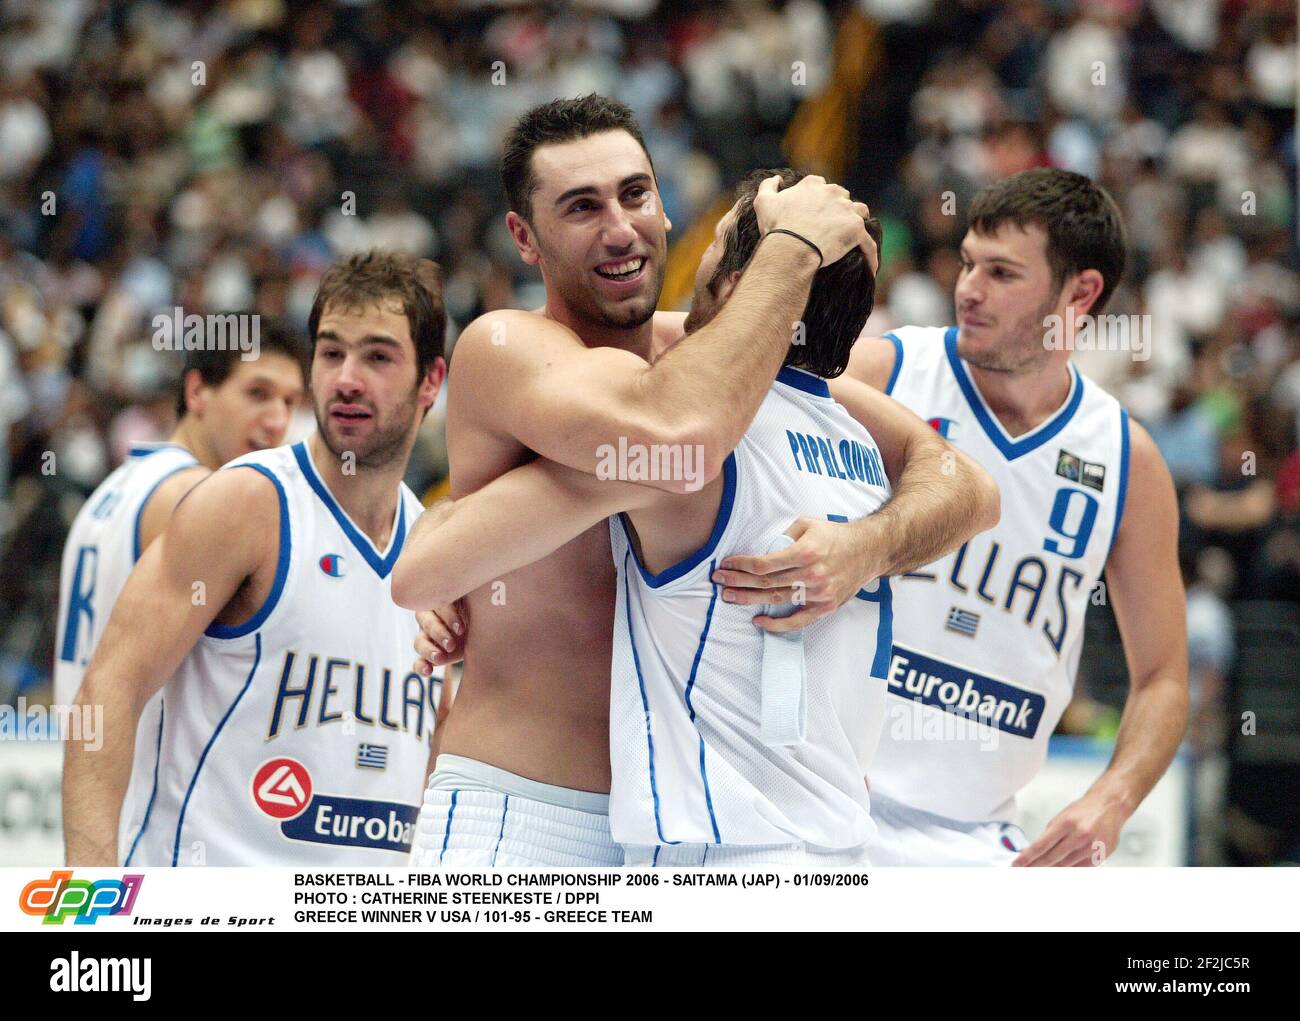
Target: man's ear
[524, 238]
[195, 398]
[1083, 293]
[727, 284]
[432, 382]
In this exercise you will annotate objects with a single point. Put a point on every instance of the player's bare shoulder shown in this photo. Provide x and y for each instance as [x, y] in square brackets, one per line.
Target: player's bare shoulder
[872, 361]
[234, 513]
[506, 336]
[669, 328]
[1151, 504]
[164, 500]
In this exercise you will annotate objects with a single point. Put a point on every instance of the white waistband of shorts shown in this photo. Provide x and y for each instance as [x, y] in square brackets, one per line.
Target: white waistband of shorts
[745, 855]
[887, 808]
[456, 772]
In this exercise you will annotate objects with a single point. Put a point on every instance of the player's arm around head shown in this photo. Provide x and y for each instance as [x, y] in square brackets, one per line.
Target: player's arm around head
[223, 534]
[1145, 588]
[515, 520]
[526, 377]
[941, 498]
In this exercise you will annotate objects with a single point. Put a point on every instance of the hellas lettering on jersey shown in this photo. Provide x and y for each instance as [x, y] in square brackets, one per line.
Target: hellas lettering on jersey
[955, 690]
[981, 569]
[319, 689]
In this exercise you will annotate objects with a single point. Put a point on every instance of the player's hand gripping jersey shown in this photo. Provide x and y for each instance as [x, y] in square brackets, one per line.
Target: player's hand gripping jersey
[689, 762]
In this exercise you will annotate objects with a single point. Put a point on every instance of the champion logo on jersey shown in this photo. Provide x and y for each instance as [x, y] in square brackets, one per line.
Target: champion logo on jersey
[945, 427]
[332, 564]
[282, 788]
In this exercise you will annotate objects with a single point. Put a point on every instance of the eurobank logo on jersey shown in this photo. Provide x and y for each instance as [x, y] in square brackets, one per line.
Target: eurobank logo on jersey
[944, 686]
[61, 897]
[282, 788]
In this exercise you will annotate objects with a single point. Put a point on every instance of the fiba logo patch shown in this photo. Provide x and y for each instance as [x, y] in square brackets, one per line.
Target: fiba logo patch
[332, 564]
[945, 427]
[282, 788]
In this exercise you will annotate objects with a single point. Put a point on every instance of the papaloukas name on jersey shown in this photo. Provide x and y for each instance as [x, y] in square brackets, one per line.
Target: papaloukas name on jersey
[847, 459]
[1029, 578]
[328, 689]
[974, 696]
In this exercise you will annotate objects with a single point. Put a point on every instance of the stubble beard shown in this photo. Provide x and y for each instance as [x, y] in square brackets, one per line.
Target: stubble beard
[382, 449]
[1023, 351]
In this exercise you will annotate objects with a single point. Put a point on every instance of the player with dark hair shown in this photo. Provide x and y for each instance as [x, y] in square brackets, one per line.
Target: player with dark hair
[987, 640]
[524, 762]
[263, 613]
[758, 744]
[227, 405]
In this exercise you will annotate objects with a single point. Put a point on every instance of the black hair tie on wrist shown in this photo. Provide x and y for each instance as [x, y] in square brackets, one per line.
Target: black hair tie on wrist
[821, 259]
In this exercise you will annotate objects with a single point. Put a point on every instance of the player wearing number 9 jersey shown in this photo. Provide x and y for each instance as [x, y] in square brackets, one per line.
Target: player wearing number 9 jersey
[987, 640]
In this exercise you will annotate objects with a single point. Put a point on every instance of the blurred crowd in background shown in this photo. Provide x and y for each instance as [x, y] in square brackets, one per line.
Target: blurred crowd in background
[218, 154]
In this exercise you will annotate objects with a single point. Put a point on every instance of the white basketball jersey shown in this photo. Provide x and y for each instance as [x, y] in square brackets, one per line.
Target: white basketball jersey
[689, 764]
[987, 640]
[102, 547]
[300, 737]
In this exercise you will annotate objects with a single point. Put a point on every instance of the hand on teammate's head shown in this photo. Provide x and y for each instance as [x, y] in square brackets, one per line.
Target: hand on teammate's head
[820, 211]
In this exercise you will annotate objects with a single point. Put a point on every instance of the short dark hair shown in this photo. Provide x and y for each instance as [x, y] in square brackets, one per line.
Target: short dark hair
[1084, 227]
[842, 293]
[378, 275]
[553, 123]
[214, 365]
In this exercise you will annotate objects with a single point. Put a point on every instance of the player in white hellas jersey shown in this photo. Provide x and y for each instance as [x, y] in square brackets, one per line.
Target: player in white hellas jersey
[293, 732]
[728, 746]
[987, 640]
[228, 405]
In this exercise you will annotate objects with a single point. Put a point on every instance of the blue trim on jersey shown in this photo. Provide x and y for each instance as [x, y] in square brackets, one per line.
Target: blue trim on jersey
[1011, 449]
[898, 362]
[654, 862]
[215, 630]
[144, 451]
[446, 833]
[180, 819]
[381, 565]
[704, 552]
[148, 809]
[690, 684]
[645, 701]
[801, 379]
[139, 511]
[1123, 477]
[504, 809]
